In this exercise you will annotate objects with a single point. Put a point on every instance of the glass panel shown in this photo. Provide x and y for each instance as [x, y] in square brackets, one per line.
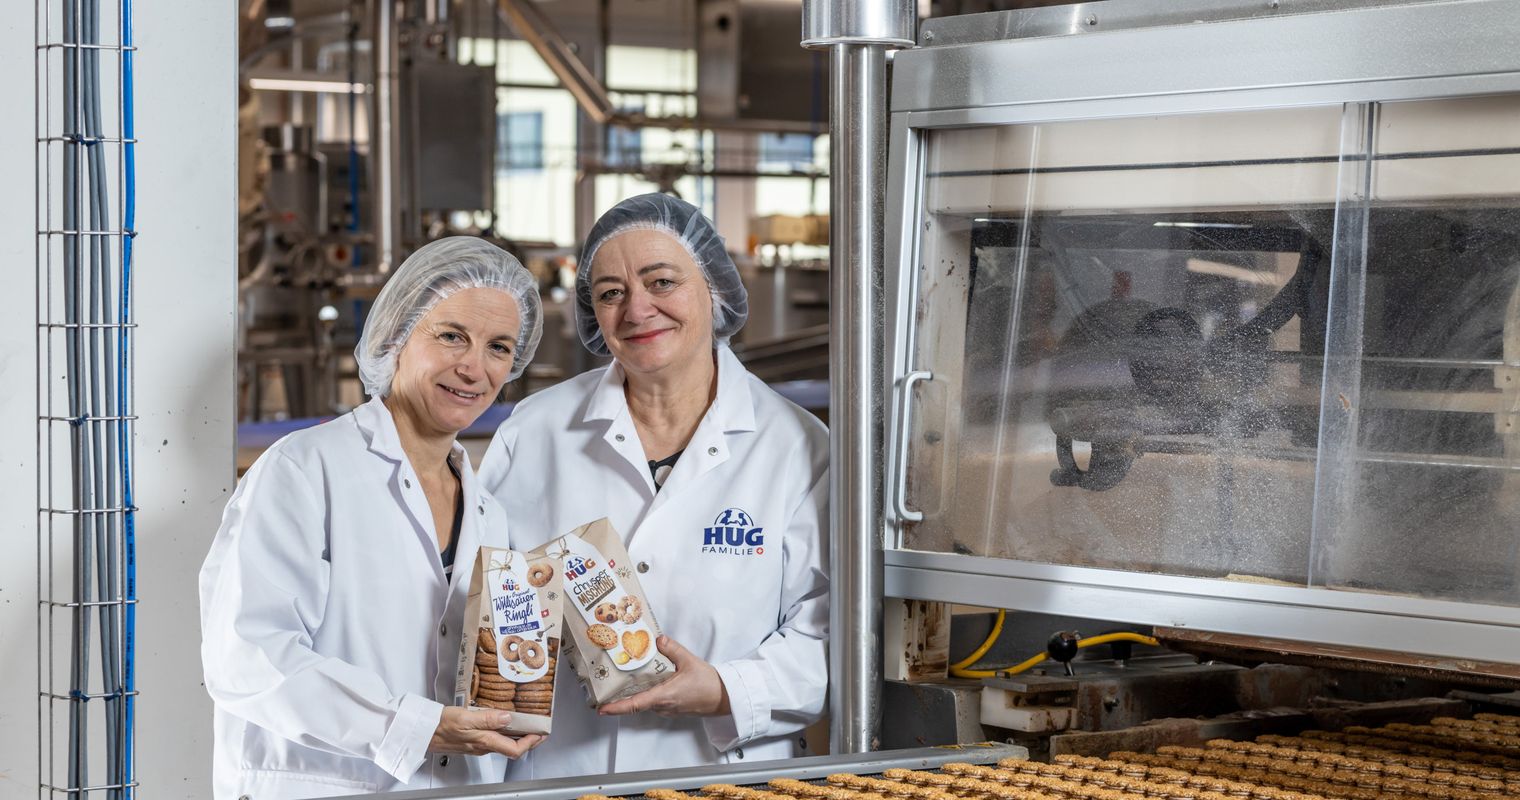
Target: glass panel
[1142, 361]
[1120, 321]
[1420, 492]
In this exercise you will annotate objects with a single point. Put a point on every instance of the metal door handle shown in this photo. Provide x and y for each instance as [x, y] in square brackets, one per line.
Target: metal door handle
[900, 483]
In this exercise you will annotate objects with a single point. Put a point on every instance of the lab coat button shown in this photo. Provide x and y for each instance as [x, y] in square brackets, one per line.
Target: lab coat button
[245, 797]
[408, 482]
[739, 753]
[443, 630]
[712, 451]
[643, 566]
[482, 509]
[443, 762]
[619, 437]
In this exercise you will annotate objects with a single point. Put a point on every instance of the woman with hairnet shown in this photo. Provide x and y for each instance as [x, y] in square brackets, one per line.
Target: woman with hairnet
[330, 602]
[717, 484]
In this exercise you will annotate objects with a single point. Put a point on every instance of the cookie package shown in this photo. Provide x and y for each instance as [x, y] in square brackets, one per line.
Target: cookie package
[612, 630]
[511, 646]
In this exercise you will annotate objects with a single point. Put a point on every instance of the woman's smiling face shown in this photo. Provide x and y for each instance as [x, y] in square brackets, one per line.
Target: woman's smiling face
[652, 301]
[457, 359]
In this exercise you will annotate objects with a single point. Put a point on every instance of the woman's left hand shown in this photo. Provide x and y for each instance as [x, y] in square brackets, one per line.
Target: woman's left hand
[696, 690]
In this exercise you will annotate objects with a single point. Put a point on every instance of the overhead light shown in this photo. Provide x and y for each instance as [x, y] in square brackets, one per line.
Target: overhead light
[302, 85]
[279, 22]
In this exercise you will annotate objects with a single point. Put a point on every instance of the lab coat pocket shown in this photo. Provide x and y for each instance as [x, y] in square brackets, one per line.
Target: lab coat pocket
[273, 784]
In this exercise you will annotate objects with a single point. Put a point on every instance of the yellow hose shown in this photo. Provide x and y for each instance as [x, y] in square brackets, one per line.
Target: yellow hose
[959, 670]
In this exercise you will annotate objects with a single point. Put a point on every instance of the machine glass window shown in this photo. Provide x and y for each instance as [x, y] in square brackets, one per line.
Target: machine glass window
[1419, 480]
[1150, 351]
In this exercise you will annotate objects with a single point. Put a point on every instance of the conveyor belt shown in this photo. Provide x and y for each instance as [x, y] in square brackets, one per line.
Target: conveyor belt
[635, 784]
[1449, 759]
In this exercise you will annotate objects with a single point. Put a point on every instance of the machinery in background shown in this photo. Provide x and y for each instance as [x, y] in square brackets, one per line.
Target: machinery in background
[1220, 357]
[367, 100]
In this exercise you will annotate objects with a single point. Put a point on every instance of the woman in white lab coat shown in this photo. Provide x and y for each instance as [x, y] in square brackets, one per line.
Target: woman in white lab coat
[717, 484]
[334, 589]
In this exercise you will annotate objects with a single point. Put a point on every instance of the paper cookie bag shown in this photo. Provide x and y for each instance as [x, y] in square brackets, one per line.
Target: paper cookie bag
[510, 647]
[612, 628]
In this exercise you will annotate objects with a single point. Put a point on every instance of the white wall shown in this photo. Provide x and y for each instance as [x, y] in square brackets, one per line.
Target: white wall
[18, 500]
[186, 280]
[186, 302]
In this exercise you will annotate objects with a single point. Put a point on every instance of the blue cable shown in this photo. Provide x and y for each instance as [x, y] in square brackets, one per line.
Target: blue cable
[129, 537]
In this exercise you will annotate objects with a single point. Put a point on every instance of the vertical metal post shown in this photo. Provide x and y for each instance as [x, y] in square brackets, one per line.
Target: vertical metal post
[384, 143]
[591, 130]
[858, 34]
[857, 121]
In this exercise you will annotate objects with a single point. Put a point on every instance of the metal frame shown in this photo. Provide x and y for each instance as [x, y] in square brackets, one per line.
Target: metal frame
[813, 768]
[1429, 50]
[1106, 15]
[1472, 38]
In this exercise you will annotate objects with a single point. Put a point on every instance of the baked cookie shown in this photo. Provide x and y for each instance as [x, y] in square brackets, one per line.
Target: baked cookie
[532, 654]
[635, 642]
[602, 636]
[486, 640]
[540, 574]
[499, 695]
[606, 613]
[511, 648]
[630, 609]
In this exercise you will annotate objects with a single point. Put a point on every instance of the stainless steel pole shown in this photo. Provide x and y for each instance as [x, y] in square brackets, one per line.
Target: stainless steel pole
[384, 149]
[857, 163]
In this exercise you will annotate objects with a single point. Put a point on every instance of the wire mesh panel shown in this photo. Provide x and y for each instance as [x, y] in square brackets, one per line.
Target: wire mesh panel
[86, 545]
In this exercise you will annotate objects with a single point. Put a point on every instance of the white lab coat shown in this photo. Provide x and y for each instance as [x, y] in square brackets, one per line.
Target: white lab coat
[570, 454]
[328, 634]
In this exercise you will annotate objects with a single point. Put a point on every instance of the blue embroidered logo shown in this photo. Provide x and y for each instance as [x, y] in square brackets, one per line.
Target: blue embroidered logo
[734, 533]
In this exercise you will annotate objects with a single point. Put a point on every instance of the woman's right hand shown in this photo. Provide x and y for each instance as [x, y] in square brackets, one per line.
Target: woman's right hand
[476, 732]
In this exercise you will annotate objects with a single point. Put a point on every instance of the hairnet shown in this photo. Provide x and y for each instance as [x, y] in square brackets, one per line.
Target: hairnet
[686, 224]
[429, 276]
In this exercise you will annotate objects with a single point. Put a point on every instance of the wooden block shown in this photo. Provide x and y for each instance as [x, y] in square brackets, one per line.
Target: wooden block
[916, 635]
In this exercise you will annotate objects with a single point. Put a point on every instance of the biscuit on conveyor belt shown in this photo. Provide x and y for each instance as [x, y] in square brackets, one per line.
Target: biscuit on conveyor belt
[1447, 759]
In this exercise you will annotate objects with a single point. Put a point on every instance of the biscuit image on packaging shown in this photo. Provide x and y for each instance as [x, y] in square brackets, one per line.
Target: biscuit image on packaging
[607, 613]
[539, 575]
[612, 628]
[636, 643]
[630, 609]
[602, 636]
[510, 662]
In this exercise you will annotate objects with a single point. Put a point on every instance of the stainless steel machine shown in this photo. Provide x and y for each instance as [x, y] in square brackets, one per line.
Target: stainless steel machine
[1213, 325]
[1205, 322]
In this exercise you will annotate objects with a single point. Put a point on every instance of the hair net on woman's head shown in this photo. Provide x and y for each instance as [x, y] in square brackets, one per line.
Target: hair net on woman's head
[437, 270]
[686, 224]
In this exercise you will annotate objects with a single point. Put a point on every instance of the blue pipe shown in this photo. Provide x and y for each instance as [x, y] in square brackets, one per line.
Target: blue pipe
[129, 537]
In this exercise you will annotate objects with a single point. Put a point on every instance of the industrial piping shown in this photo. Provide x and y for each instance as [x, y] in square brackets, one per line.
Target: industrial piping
[857, 34]
[384, 138]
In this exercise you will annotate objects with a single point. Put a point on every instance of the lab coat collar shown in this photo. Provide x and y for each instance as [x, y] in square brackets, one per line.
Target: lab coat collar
[378, 427]
[733, 408]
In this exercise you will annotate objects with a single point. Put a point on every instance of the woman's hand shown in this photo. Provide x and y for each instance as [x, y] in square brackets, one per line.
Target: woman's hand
[476, 732]
[696, 690]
